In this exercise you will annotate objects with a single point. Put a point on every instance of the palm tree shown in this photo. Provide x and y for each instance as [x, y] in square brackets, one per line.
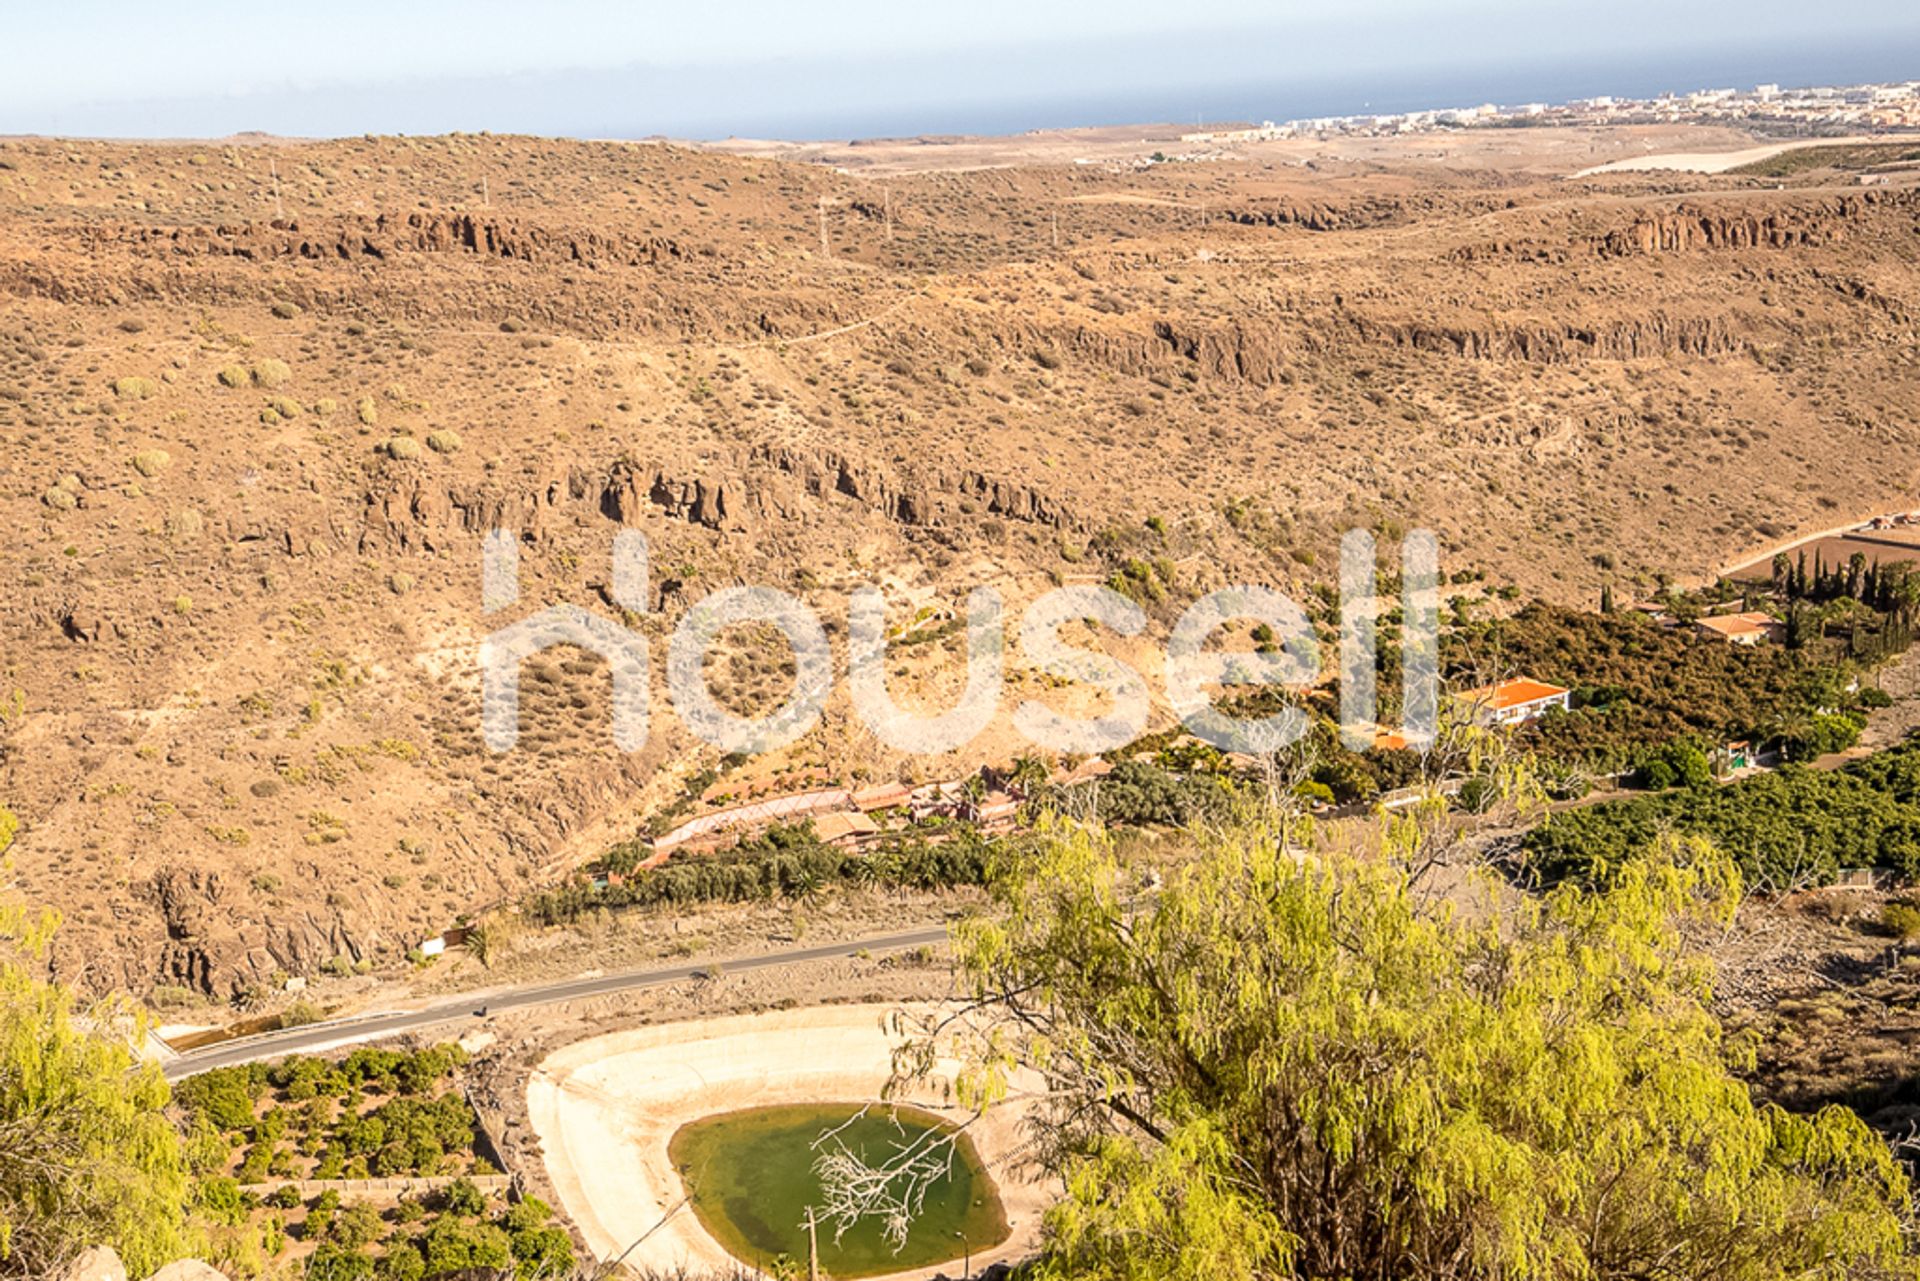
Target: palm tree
[1030, 775]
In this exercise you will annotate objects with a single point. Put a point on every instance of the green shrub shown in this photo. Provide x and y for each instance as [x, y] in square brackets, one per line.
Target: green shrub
[234, 376]
[134, 388]
[402, 1262]
[401, 448]
[301, 1013]
[1791, 826]
[784, 860]
[171, 996]
[1901, 917]
[1678, 764]
[271, 373]
[444, 441]
[463, 1198]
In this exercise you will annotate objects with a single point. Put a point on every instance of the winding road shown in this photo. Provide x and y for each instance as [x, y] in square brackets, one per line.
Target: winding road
[466, 1009]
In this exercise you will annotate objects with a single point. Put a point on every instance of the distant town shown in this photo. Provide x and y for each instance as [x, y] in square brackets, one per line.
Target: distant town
[1810, 111]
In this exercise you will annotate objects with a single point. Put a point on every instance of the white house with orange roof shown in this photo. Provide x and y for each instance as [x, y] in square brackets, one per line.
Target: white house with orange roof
[1514, 702]
[1749, 628]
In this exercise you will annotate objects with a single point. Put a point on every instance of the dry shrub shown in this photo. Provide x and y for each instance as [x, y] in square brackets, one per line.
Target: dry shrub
[151, 462]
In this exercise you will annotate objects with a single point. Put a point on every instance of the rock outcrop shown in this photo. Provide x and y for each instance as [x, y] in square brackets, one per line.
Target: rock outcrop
[744, 492]
[102, 1263]
[210, 948]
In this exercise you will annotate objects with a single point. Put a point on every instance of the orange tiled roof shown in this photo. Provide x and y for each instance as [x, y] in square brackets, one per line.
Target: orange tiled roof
[1739, 624]
[1514, 693]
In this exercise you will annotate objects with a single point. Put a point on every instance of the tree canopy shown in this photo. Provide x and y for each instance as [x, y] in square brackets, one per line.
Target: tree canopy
[1637, 686]
[1791, 826]
[87, 1156]
[1294, 1061]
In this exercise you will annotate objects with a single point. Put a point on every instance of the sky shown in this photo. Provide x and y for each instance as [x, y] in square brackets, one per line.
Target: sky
[863, 68]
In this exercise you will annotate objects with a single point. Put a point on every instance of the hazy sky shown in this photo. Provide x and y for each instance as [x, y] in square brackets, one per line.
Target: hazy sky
[757, 67]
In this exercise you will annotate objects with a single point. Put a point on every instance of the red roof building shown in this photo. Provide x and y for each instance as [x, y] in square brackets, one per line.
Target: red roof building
[1742, 629]
[1516, 701]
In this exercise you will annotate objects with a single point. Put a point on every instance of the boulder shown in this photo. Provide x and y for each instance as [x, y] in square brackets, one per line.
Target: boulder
[97, 1264]
[188, 1270]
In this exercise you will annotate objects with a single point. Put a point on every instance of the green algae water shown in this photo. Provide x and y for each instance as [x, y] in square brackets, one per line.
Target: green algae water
[750, 1176]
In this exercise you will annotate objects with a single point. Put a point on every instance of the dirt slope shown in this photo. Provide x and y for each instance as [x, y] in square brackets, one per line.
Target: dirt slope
[260, 401]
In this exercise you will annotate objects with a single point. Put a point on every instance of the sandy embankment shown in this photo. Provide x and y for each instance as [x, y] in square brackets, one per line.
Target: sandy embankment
[605, 1109]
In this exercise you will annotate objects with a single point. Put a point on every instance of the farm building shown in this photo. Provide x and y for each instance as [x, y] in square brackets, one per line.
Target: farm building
[1515, 702]
[1742, 629]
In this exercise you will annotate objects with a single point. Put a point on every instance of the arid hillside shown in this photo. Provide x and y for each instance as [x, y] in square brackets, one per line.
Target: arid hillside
[261, 400]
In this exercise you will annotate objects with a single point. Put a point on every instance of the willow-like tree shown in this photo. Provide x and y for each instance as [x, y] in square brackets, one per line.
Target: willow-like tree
[87, 1156]
[1307, 1064]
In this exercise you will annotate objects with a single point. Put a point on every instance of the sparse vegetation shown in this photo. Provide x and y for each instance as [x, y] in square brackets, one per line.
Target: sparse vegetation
[151, 462]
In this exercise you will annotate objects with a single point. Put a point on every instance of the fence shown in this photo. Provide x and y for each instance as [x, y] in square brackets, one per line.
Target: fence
[380, 1189]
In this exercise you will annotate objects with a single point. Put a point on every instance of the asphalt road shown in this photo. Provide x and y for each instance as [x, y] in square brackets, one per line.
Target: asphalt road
[465, 1009]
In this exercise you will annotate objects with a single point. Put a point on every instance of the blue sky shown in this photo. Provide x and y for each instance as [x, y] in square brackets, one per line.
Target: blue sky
[862, 67]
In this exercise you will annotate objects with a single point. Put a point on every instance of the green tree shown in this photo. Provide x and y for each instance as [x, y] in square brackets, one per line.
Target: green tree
[461, 1197]
[543, 1253]
[1304, 1065]
[87, 1156]
[357, 1225]
[402, 1262]
[456, 1245]
[333, 1263]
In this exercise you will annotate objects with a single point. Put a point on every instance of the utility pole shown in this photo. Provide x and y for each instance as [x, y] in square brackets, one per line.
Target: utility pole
[486, 195]
[889, 194]
[1056, 228]
[813, 1249]
[273, 168]
[826, 250]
